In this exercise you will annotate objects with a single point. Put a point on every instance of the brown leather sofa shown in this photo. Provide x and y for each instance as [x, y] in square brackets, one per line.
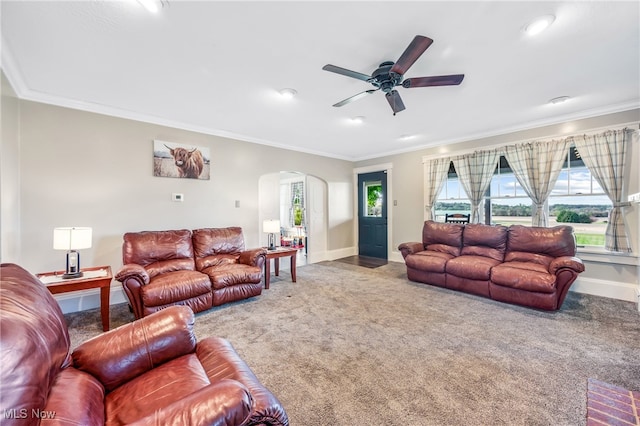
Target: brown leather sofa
[151, 371]
[204, 268]
[528, 266]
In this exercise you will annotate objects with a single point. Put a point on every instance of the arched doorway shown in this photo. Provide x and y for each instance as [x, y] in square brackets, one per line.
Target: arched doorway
[277, 198]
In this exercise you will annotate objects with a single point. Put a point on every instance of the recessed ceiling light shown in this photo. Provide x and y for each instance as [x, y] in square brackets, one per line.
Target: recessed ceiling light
[150, 5]
[559, 100]
[358, 120]
[405, 138]
[539, 24]
[288, 93]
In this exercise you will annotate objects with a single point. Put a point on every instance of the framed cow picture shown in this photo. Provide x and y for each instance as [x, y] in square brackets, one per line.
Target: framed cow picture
[181, 161]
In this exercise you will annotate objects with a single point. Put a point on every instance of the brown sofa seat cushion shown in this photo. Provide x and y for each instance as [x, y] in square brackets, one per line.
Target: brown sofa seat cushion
[442, 237]
[155, 389]
[228, 274]
[524, 276]
[472, 267]
[175, 286]
[430, 261]
[485, 240]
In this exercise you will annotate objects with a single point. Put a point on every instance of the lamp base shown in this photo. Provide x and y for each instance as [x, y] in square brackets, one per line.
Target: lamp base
[72, 275]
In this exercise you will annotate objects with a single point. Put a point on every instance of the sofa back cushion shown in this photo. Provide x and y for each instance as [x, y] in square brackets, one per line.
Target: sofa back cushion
[484, 240]
[442, 237]
[538, 244]
[34, 343]
[210, 241]
[159, 251]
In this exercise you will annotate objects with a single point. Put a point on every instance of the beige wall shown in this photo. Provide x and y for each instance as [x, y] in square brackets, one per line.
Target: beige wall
[86, 169]
[9, 174]
[606, 275]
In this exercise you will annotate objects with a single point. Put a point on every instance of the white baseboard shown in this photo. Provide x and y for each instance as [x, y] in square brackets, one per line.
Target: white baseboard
[88, 299]
[604, 288]
[340, 253]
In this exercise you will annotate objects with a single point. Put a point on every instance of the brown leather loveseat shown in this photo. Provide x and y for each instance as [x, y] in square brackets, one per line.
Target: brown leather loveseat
[204, 268]
[149, 372]
[529, 266]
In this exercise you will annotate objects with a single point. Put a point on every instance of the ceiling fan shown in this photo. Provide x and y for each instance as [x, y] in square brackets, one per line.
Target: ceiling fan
[390, 74]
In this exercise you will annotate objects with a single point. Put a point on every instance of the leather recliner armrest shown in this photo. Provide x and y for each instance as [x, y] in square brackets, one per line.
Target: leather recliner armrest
[131, 270]
[226, 402]
[570, 262]
[410, 248]
[253, 257]
[119, 355]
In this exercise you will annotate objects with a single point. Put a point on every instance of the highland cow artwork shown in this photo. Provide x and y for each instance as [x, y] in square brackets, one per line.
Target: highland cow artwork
[180, 161]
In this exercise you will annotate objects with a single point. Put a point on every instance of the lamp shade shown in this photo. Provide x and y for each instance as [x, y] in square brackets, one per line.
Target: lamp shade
[271, 226]
[71, 238]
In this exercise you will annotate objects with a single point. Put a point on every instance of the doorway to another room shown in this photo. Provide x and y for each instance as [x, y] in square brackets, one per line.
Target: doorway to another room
[372, 214]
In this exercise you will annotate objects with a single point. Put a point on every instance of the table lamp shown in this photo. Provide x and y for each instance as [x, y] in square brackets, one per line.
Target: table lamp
[72, 239]
[271, 227]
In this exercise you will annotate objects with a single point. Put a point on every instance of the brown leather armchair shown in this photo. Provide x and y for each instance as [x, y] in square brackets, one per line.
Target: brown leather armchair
[151, 371]
[161, 268]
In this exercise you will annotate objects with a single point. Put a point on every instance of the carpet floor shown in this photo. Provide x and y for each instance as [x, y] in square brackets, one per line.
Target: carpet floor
[348, 345]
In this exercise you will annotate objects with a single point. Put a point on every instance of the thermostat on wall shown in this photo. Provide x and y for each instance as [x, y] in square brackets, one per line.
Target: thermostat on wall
[177, 197]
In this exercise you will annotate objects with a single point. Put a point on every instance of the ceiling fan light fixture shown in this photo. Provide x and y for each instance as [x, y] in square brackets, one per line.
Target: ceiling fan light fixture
[288, 93]
[539, 24]
[559, 100]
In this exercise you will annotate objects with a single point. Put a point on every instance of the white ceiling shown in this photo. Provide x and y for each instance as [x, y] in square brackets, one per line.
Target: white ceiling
[216, 67]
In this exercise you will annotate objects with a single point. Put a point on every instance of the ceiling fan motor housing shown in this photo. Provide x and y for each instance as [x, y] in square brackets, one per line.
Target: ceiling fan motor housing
[384, 78]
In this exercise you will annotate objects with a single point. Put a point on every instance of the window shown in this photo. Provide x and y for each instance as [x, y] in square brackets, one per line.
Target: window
[576, 199]
[374, 199]
[452, 198]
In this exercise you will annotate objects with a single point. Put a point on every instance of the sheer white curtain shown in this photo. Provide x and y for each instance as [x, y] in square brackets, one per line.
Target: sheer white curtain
[435, 174]
[475, 172]
[604, 156]
[537, 165]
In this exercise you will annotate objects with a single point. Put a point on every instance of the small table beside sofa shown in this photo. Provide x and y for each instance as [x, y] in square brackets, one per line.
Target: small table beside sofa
[522, 265]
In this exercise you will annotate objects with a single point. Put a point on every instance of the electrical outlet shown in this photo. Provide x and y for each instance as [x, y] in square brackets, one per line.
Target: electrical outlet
[177, 197]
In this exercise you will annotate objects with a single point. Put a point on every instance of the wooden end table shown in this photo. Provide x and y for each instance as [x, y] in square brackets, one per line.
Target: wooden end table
[96, 277]
[276, 255]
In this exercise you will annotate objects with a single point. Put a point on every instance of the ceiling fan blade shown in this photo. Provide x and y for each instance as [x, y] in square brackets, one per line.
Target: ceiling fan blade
[416, 48]
[438, 80]
[348, 73]
[395, 101]
[355, 97]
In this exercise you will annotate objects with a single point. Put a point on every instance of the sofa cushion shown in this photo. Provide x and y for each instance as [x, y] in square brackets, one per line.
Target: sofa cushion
[77, 398]
[159, 251]
[210, 241]
[430, 261]
[442, 237]
[175, 286]
[484, 240]
[155, 389]
[471, 267]
[230, 274]
[554, 242]
[524, 276]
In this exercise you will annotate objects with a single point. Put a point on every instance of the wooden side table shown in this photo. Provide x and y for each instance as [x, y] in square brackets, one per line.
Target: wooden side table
[276, 255]
[96, 277]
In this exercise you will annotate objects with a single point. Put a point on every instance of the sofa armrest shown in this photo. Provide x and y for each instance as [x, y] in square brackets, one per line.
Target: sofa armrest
[226, 402]
[119, 355]
[131, 270]
[253, 257]
[410, 248]
[571, 262]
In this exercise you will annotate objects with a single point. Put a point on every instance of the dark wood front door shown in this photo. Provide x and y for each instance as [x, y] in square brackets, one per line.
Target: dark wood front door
[372, 214]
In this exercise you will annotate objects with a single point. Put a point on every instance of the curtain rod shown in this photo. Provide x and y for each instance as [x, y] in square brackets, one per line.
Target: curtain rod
[630, 125]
